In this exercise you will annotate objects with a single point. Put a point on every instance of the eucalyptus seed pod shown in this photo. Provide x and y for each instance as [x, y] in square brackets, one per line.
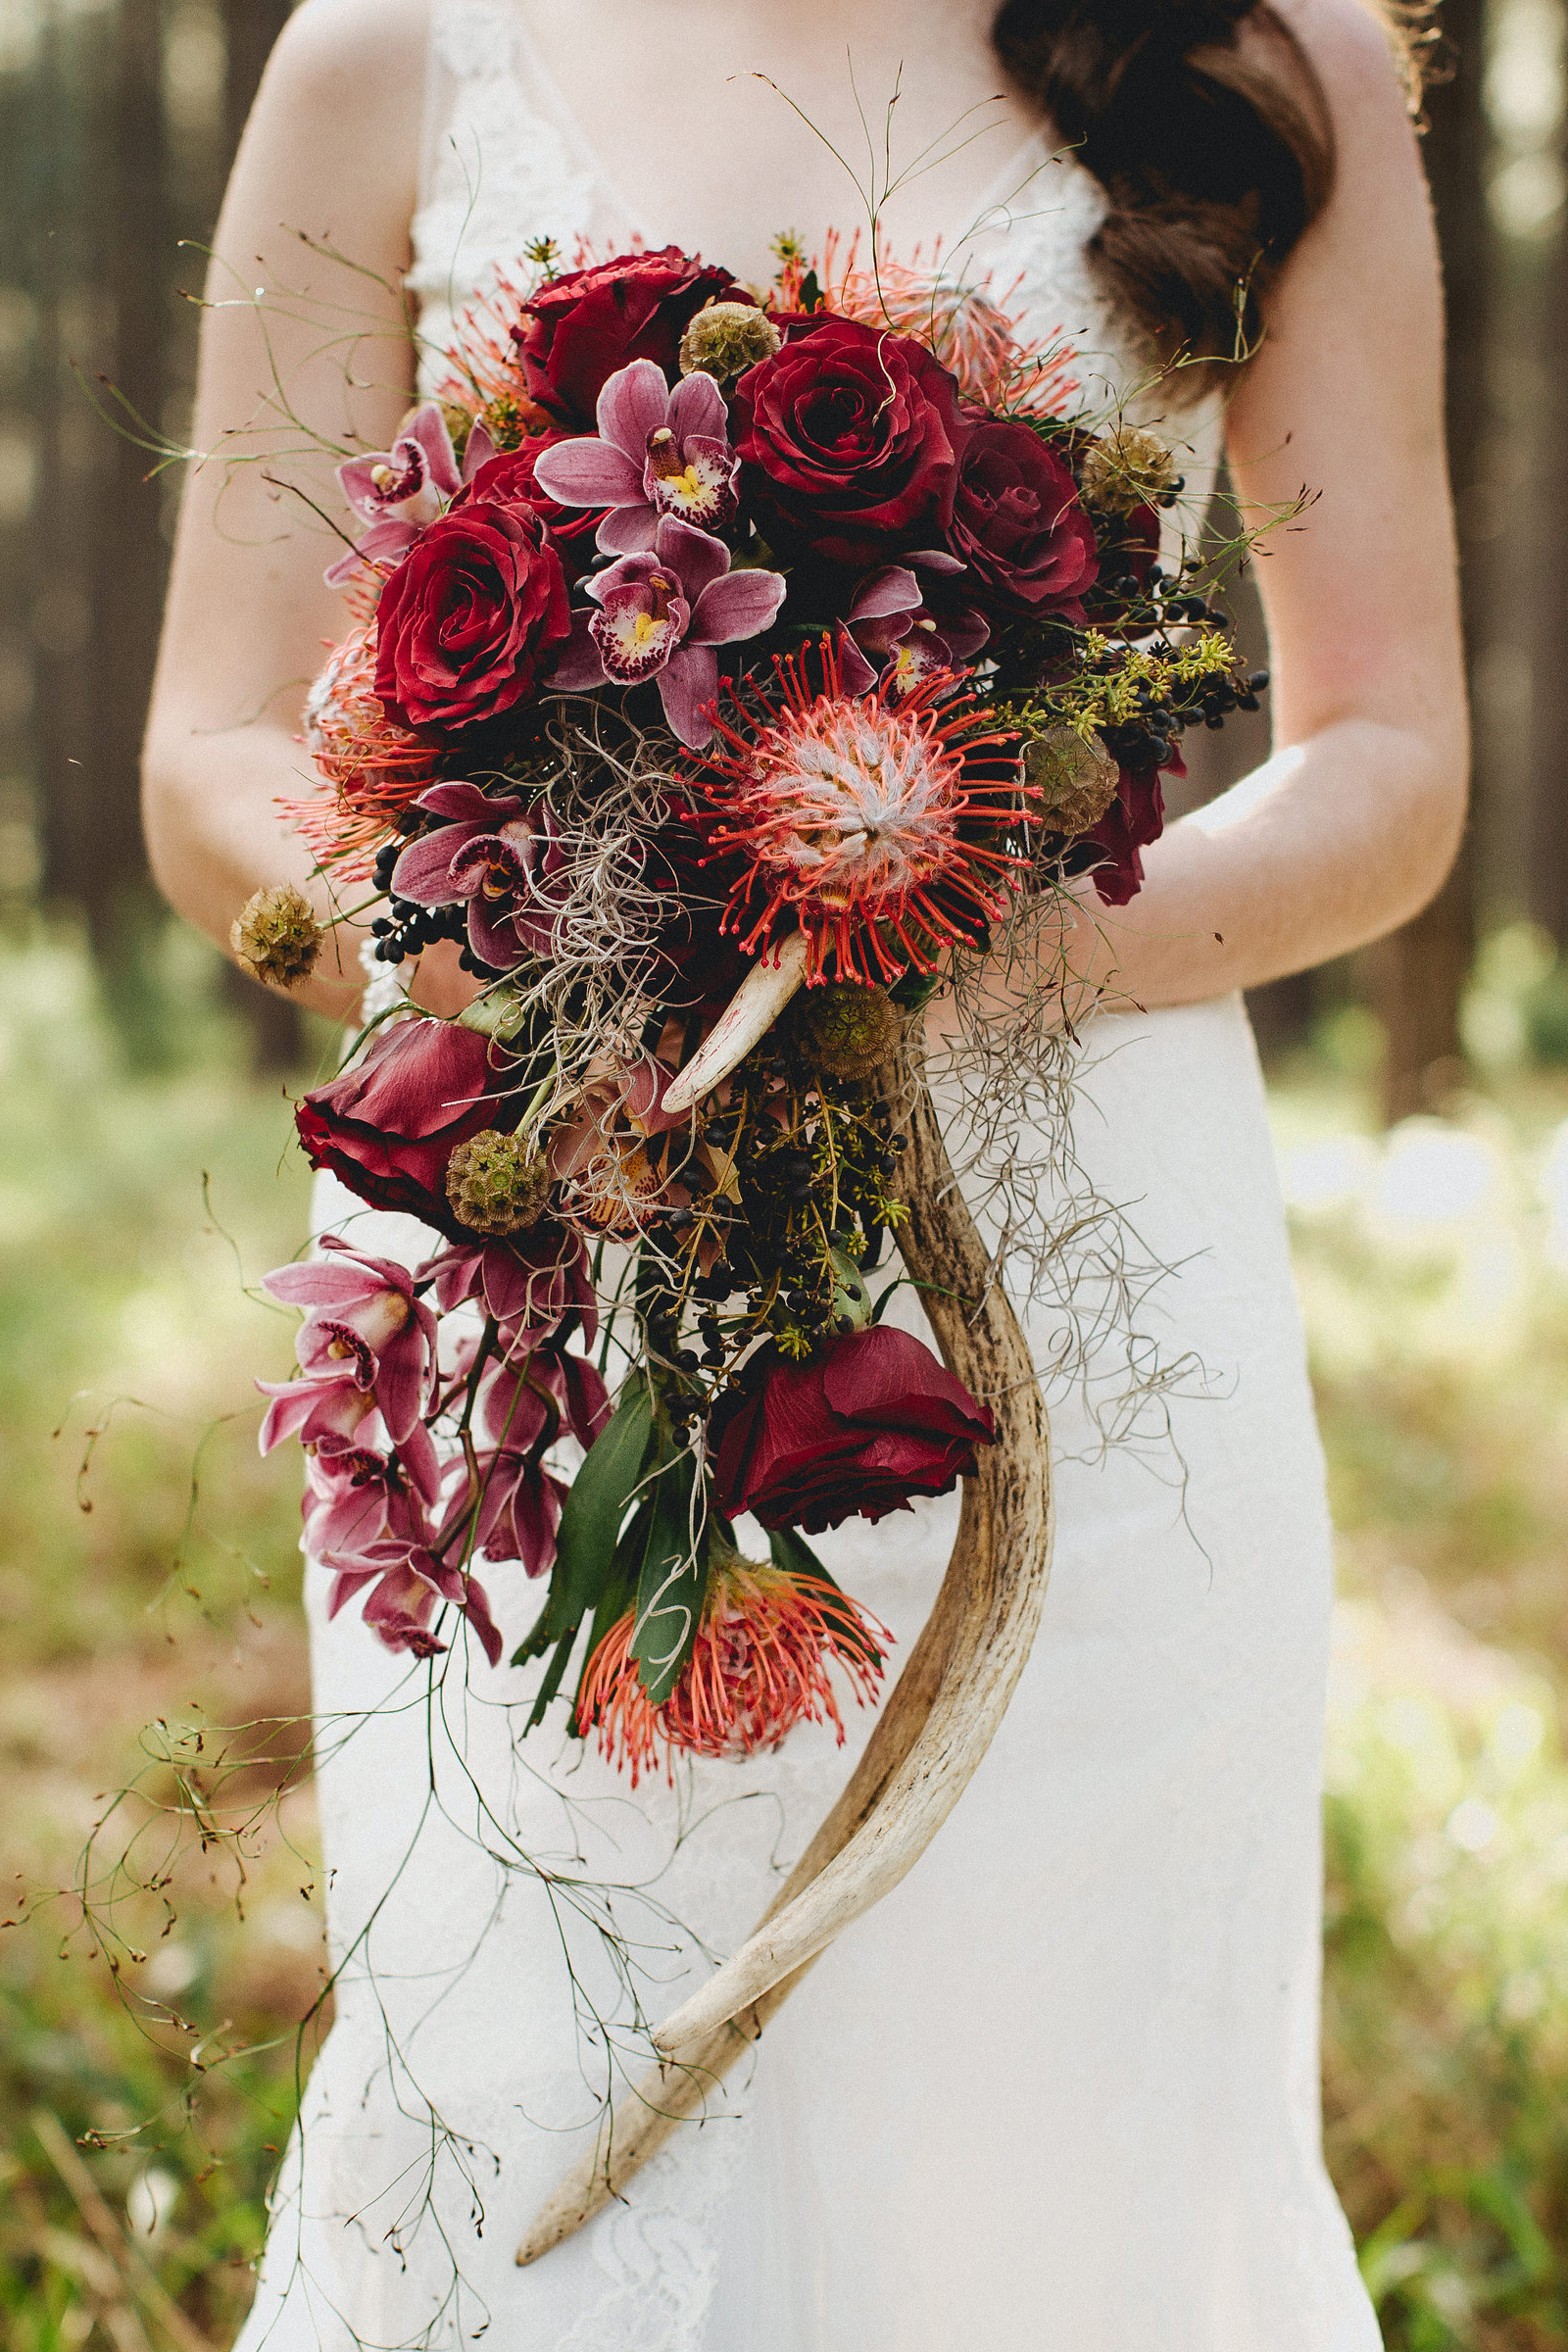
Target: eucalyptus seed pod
[725, 339]
[1127, 468]
[498, 1183]
[277, 936]
[1076, 780]
[847, 1030]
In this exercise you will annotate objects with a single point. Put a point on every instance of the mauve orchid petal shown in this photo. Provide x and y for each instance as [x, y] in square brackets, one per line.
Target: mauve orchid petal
[325, 1282]
[421, 1462]
[644, 1084]
[697, 407]
[626, 531]
[479, 450]
[634, 403]
[695, 557]
[588, 1402]
[893, 589]
[688, 684]
[742, 604]
[580, 666]
[854, 669]
[385, 543]
[424, 872]
[468, 804]
[428, 428]
[589, 473]
[936, 558]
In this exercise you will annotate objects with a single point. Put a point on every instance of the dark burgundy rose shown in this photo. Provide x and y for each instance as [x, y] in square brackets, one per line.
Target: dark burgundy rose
[466, 623]
[855, 1432]
[849, 439]
[387, 1127]
[579, 330]
[508, 480]
[1019, 526]
[1110, 853]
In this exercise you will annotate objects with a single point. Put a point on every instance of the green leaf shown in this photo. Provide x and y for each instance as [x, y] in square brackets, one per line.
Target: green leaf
[674, 1580]
[590, 1521]
[554, 1674]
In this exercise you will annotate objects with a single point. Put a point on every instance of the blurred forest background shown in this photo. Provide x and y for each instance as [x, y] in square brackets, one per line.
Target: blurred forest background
[148, 2063]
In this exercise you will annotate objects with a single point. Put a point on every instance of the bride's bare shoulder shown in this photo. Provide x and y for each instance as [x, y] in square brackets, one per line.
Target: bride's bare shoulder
[336, 128]
[343, 66]
[1354, 48]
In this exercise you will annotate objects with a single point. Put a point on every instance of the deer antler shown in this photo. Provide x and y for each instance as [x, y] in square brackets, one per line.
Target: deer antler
[938, 1721]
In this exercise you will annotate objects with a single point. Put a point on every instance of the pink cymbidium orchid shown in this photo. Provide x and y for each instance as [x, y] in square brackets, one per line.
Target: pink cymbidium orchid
[503, 857]
[356, 1494]
[398, 492]
[889, 621]
[366, 1343]
[406, 1582]
[661, 614]
[532, 1283]
[658, 453]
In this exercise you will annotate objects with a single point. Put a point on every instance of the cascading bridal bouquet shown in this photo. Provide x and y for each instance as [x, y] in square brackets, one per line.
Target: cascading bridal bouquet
[727, 677]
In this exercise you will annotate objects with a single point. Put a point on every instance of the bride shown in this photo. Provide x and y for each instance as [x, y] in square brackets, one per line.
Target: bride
[1060, 2089]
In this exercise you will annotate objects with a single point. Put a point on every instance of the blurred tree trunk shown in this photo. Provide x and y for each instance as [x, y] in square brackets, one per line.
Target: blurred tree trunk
[250, 28]
[1548, 707]
[100, 861]
[1418, 974]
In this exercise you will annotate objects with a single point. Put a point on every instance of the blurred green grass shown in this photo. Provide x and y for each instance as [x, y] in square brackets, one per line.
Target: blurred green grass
[1433, 1271]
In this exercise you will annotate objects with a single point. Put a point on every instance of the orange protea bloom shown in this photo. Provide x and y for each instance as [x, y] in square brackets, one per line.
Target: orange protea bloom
[375, 766]
[969, 331]
[485, 377]
[874, 826]
[760, 1666]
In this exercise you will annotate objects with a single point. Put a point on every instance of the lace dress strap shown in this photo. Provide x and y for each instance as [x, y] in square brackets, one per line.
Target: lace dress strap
[504, 163]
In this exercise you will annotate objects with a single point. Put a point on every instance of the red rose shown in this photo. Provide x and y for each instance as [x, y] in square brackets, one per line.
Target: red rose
[850, 437]
[855, 1431]
[579, 330]
[1019, 524]
[508, 481]
[1110, 853]
[387, 1127]
[468, 619]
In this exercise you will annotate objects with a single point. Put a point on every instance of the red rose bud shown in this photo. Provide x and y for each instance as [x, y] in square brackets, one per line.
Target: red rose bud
[1019, 524]
[467, 622]
[855, 1432]
[387, 1128]
[850, 437]
[578, 330]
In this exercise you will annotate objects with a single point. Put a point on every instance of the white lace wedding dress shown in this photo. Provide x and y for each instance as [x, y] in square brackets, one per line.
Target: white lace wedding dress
[1059, 2090]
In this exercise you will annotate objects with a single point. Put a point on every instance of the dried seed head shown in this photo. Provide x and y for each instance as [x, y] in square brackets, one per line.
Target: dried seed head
[725, 339]
[1125, 469]
[1076, 780]
[847, 1030]
[278, 937]
[498, 1183]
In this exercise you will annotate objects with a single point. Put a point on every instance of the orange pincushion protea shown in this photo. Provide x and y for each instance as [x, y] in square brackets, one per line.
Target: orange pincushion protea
[376, 766]
[760, 1666]
[873, 825]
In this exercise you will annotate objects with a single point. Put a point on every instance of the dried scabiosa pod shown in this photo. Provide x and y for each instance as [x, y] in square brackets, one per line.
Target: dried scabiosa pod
[498, 1183]
[1128, 469]
[847, 1030]
[277, 936]
[725, 339]
[1074, 775]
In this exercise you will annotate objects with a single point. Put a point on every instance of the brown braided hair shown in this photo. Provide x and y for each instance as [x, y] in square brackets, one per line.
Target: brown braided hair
[1216, 155]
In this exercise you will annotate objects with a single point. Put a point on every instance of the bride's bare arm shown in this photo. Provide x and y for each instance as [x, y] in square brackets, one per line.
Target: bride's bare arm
[1354, 822]
[330, 154]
